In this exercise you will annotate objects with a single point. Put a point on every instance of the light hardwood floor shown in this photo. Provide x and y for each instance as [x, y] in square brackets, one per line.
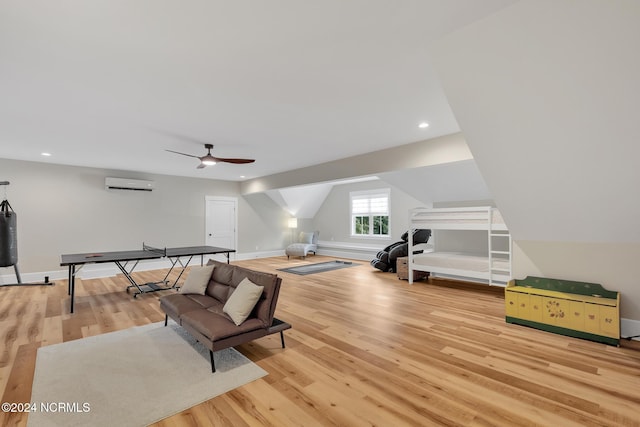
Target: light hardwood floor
[365, 349]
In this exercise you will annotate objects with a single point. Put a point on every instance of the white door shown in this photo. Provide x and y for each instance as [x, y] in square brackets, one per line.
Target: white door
[220, 227]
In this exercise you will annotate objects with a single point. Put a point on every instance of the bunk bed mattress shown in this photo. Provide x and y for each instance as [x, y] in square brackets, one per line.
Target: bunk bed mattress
[459, 261]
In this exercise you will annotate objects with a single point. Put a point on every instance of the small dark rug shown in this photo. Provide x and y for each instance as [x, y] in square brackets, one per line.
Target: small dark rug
[321, 267]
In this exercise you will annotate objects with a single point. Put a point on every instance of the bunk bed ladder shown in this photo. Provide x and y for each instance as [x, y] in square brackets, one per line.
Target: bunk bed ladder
[506, 254]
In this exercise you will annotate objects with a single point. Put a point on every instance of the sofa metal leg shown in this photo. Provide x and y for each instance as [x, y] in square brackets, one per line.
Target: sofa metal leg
[166, 319]
[213, 365]
[282, 338]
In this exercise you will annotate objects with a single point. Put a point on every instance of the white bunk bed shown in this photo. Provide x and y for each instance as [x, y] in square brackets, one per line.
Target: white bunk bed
[492, 267]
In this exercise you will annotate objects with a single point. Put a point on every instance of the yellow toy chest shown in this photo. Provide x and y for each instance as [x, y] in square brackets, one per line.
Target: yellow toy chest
[577, 309]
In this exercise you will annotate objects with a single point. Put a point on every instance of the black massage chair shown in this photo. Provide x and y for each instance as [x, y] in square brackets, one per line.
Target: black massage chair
[386, 259]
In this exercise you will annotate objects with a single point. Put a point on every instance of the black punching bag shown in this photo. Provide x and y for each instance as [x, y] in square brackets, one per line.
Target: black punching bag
[8, 235]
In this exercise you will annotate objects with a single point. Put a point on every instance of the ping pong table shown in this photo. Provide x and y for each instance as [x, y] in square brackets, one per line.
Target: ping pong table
[123, 259]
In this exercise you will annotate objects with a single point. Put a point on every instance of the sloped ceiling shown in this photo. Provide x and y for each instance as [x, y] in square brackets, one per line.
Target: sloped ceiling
[550, 115]
[440, 169]
[448, 182]
[301, 202]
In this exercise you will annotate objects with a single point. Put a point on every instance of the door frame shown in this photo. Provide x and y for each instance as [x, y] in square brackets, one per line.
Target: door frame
[235, 219]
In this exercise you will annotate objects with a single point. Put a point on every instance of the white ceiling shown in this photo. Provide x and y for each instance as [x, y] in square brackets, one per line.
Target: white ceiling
[112, 84]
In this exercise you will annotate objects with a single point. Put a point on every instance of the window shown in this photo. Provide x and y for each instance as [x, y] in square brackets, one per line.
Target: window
[370, 213]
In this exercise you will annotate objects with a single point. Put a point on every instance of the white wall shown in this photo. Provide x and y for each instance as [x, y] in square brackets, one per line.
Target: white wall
[333, 217]
[263, 225]
[610, 264]
[65, 209]
[546, 94]
[549, 113]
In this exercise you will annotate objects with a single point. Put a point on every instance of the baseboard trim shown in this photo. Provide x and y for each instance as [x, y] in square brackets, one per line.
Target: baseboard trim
[346, 254]
[629, 328]
[348, 250]
[261, 254]
[97, 271]
[33, 277]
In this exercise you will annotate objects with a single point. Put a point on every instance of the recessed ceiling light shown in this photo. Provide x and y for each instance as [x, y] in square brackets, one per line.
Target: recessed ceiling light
[423, 125]
[45, 154]
[241, 176]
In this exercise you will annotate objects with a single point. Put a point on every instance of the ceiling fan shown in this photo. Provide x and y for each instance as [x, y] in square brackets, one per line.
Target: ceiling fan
[208, 159]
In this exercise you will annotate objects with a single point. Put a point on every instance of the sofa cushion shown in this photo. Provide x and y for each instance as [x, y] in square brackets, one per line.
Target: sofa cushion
[217, 326]
[230, 275]
[197, 280]
[298, 249]
[242, 301]
[263, 309]
[219, 291]
[178, 304]
[222, 273]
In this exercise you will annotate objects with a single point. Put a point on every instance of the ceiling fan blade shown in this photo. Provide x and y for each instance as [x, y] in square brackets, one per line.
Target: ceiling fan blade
[236, 161]
[208, 159]
[176, 152]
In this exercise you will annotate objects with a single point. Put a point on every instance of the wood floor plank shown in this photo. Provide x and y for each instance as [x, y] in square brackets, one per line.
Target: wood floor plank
[365, 349]
[18, 385]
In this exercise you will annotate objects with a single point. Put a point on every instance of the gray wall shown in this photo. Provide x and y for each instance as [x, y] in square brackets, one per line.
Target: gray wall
[263, 225]
[66, 209]
[333, 219]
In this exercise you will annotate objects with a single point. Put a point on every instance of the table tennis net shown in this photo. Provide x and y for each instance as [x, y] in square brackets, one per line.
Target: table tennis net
[161, 251]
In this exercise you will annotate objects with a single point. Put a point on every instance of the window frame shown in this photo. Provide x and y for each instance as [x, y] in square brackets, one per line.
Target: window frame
[370, 214]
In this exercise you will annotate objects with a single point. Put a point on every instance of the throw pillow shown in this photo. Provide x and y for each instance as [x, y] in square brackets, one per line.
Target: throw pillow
[242, 300]
[197, 280]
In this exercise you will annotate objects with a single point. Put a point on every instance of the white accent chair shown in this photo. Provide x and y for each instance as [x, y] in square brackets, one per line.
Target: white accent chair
[307, 242]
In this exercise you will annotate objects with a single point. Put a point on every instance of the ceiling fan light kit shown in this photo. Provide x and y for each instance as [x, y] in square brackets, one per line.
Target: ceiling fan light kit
[209, 160]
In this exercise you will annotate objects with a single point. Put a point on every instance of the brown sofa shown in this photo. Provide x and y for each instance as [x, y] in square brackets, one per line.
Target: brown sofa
[203, 317]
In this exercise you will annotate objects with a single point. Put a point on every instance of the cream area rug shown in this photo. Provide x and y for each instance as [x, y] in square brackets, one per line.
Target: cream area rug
[130, 378]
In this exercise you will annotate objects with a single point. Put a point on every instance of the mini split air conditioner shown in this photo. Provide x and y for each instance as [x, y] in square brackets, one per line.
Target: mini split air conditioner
[128, 184]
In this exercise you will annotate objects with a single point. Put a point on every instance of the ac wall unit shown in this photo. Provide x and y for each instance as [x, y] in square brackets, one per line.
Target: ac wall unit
[128, 184]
